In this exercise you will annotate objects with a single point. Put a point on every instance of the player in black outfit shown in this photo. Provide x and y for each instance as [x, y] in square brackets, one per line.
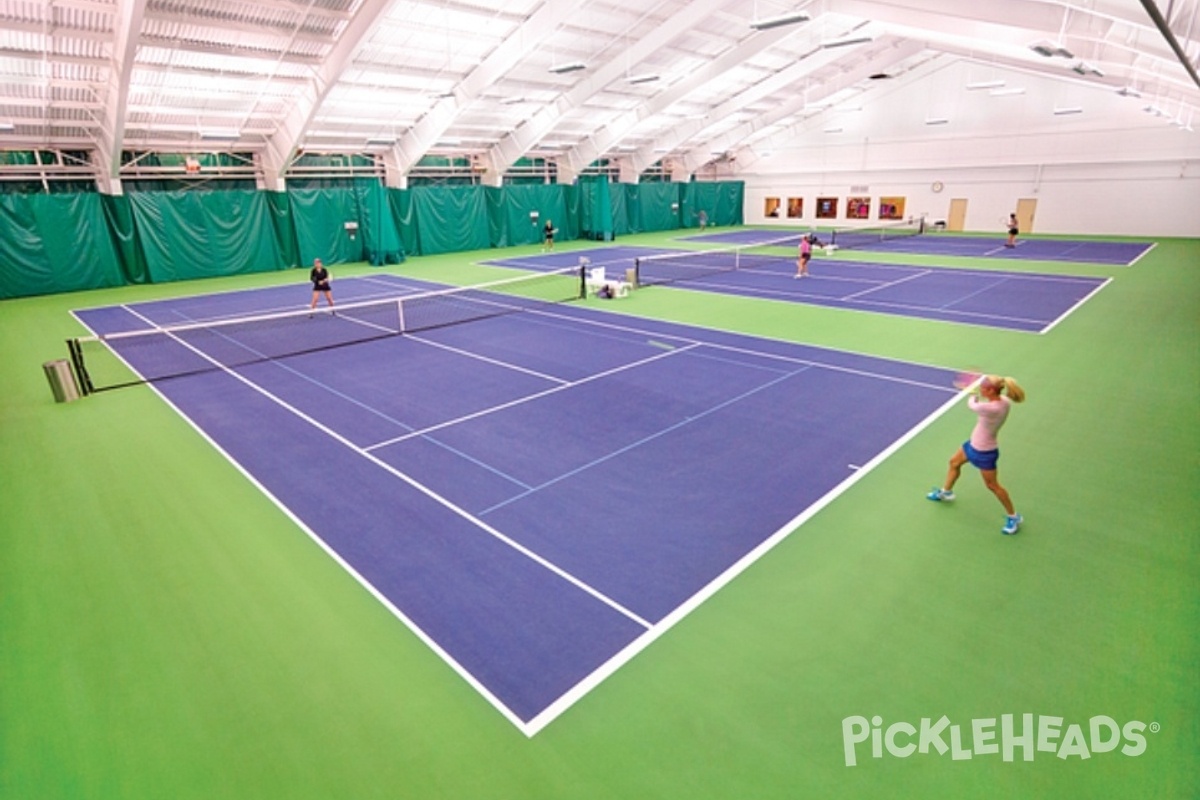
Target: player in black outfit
[320, 281]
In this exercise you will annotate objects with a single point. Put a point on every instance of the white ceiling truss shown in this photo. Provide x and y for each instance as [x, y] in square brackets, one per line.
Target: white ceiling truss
[498, 81]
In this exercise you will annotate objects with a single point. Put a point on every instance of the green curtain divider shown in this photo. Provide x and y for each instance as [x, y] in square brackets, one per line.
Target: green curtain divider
[452, 218]
[619, 197]
[596, 208]
[500, 230]
[603, 223]
[55, 243]
[68, 242]
[730, 203]
[572, 217]
[633, 206]
[197, 235]
[377, 227]
[320, 217]
[122, 231]
[658, 206]
[404, 213]
[510, 207]
[283, 227]
[721, 201]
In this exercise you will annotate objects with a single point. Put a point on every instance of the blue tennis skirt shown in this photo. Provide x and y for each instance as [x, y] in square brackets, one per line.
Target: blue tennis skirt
[981, 459]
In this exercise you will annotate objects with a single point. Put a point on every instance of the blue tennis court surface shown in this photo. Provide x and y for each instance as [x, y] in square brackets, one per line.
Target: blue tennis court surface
[539, 495]
[1019, 301]
[1121, 254]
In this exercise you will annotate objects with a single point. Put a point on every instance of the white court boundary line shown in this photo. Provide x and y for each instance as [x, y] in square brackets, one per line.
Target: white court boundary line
[876, 306]
[483, 526]
[579, 690]
[653, 630]
[1073, 308]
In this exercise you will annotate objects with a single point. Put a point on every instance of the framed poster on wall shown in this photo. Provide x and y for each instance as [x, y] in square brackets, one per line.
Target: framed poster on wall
[771, 207]
[795, 207]
[891, 208]
[827, 207]
[858, 208]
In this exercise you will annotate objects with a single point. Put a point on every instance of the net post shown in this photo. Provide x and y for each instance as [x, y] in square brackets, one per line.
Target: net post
[81, 373]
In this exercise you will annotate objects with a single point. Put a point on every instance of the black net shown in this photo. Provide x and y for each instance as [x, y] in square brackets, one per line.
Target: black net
[673, 267]
[153, 354]
[845, 238]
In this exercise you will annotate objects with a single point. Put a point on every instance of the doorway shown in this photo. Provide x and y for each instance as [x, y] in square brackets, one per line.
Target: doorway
[1026, 207]
[958, 214]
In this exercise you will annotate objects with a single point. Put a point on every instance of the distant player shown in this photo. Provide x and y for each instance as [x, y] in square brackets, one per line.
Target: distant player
[702, 219]
[320, 281]
[548, 232]
[806, 245]
[1013, 230]
[981, 450]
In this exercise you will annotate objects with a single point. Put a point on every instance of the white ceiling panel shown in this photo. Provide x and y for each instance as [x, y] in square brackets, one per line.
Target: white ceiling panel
[494, 77]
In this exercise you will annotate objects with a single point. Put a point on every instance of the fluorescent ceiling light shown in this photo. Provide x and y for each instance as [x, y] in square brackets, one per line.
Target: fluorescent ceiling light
[448, 141]
[1128, 91]
[846, 41]
[511, 101]
[780, 21]
[1068, 110]
[7, 125]
[985, 85]
[1084, 68]
[641, 79]
[221, 135]
[574, 66]
[1008, 92]
[936, 120]
[388, 140]
[833, 129]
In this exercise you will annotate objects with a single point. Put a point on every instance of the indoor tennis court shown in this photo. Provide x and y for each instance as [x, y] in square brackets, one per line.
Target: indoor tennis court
[333, 468]
[919, 239]
[543, 454]
[1024, 301]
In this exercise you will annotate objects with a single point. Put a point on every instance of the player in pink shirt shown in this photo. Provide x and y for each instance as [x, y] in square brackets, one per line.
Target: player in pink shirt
[806, 245]
[991, 405]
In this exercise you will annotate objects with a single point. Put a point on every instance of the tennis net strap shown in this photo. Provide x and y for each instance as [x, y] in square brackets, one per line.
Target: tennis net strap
[673, 267]
[149, 354]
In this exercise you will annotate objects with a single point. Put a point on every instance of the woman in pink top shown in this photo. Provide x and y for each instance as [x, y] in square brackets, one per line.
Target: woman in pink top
[996, 395]
[806, 246]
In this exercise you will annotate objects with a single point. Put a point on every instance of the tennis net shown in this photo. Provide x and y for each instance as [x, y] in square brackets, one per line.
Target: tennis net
[153, 353]
[672, 267]
[849, 238]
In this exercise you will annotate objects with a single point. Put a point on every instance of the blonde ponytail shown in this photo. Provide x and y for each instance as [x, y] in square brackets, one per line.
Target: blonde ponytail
[1011, 388]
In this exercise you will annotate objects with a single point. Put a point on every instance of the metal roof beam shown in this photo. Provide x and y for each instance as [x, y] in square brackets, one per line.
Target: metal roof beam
[604, 139]
[284, 143]
[527, 135]
[532, 33]
[897, 52]
[127, 25]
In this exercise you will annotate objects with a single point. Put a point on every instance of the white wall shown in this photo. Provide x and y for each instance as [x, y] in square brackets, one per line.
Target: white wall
[1113, 169]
